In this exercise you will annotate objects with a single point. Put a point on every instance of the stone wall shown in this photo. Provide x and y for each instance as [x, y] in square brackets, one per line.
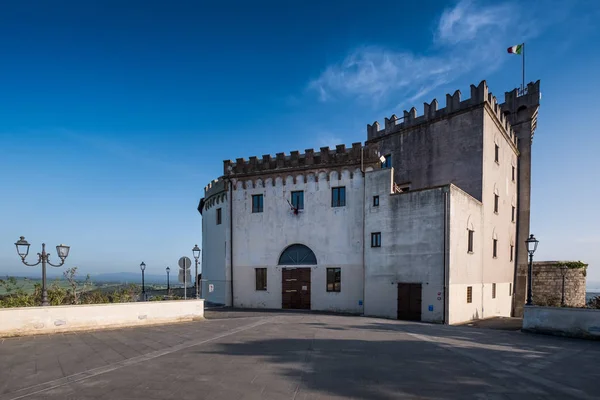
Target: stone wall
[547, 284]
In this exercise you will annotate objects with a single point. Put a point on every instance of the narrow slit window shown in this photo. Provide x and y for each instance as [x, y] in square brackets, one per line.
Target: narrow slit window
[375, 201]
[376, 239]
[219, 216]
[495, 248]
[493, 290]
[471, 235]
[469, 294]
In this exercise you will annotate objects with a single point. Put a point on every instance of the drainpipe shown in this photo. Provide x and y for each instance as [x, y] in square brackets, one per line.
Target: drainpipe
[362, 170]
[231, 239]
[446, 274]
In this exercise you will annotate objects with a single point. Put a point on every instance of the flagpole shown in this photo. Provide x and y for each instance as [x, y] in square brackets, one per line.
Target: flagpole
[523, 90]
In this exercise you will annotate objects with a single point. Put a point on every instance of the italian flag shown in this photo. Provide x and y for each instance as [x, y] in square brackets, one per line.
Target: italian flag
[516, 49]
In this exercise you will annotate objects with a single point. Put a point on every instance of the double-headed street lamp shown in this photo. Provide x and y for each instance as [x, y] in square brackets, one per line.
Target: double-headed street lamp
[168, 282]
[143, 268]
[532, 244]
[196, 252]
[43, 258]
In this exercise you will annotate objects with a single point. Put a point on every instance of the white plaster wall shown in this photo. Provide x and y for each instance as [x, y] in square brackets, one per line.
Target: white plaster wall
[38, 320]
[215, 250]
[334, 234]
[412, 246]
[497, 177]
[562, 321]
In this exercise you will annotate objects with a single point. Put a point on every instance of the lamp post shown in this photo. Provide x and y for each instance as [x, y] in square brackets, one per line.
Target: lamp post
[196, 252]
[43, 258]
[532, 244]
[143, 268]
[563, 272]
[168, 282]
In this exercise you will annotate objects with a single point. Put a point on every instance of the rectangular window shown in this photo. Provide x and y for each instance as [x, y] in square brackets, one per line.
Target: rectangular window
[261, 278]
[298, 200]
[510, 289]
[497, 153]
[512, 250]
[338, 196]
[496, 201]
[376, 239]
[375, 201]
[388, 161]
[257, 203]
[493, 290]
[219, 220]
[471, 234]
[469, 294]
[495, 248]
[334, 279]
[513, 213]
[513, 173]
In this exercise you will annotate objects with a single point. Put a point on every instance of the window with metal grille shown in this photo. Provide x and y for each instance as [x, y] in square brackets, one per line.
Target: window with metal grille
[495, 248]
[298, 199]
[375, 201]
[469, 294]
[471, 235]
[261, 278]
[219, 219]
[376, 239]
[496, 201]
[497, 153]
[338, 196]
[493, 290]
[257, 203]
[334, 279]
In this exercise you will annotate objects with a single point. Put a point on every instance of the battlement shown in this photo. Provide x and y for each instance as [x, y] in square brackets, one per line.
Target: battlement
[515, 99]
[324, 158]
[479, 94]
[215, 186]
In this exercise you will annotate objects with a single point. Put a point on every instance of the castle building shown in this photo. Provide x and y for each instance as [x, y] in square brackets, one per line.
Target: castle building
[426, 220]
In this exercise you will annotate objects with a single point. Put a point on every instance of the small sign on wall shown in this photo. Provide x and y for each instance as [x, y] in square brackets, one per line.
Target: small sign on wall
[431, 307]
[211, 288]
[304, 287]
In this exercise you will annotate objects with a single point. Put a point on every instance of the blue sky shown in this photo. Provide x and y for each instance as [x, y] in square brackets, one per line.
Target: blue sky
[114, 115]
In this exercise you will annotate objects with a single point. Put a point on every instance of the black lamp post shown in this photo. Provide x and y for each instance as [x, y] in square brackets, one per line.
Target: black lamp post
[168, 282]
[43, 258]
[196, 252]
[563, 272]
[532, 244]
[143, 268]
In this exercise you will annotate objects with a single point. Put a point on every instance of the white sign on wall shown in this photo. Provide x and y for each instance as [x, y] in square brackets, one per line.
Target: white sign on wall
[211, 288]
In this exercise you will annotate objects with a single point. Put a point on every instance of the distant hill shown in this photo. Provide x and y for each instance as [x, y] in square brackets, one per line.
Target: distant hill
[130, 277]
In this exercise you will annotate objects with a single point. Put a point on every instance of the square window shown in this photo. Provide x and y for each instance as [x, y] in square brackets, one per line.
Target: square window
[338, 196]
[388, 161]
[219, 219]
[493, 290]
[469, 294]
[261, 278]
[496, 201]
[334, 279]
[513, 213]
[257, 203]
[471, 235]
[375, 201]
[495, 248]
[298, 200]
[512, 250]
[513, 173]
[376, 239]
[497, 153]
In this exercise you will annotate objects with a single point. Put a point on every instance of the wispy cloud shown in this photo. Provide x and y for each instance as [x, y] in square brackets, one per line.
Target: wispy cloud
[468, 36]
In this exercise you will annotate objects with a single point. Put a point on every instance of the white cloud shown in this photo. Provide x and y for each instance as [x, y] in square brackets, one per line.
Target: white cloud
[469, 37]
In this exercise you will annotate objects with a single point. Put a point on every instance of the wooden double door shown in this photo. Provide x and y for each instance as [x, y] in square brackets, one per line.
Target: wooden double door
[409, 301]
[295, 283]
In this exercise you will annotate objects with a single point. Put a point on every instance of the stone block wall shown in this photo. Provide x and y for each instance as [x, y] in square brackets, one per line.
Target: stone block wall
[547, 284]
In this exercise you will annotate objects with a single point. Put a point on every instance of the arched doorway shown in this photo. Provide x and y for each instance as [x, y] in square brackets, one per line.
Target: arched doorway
[295, 281]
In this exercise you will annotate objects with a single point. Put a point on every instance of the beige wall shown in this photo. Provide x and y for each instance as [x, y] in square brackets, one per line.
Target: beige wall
[41, 320]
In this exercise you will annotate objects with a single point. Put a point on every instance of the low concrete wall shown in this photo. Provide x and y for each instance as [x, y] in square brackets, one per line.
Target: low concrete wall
[38, 320]
[562, 321]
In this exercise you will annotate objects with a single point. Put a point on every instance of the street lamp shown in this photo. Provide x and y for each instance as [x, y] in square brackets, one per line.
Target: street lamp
[532, 244]
[43, 258]
[143, 268]
[563, 272]
[196, 252]
[168, 282]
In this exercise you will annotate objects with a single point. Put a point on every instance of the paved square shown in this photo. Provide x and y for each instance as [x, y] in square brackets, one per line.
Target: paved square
[266, 355]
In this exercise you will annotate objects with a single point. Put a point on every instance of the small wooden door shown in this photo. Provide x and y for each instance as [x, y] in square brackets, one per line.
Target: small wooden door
[409, 301]
[295, 283]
